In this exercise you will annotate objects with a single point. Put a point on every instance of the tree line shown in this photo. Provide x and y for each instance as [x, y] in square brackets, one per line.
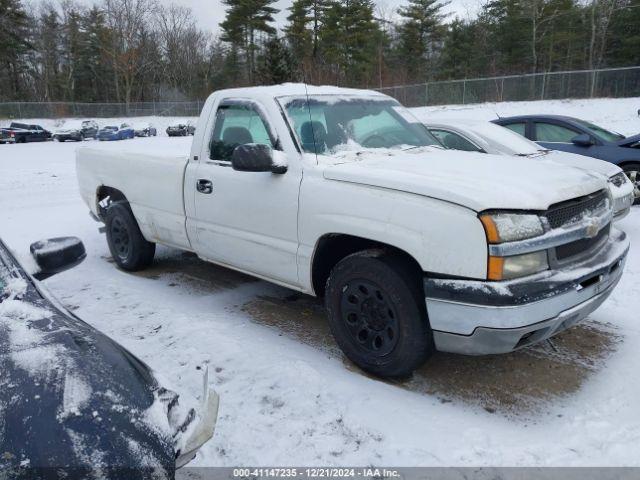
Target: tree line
[142, 50]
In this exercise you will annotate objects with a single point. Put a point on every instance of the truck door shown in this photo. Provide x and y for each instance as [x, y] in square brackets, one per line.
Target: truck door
[246, 220]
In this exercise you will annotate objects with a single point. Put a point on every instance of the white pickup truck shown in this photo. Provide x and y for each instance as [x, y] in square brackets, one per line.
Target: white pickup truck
[343, 194]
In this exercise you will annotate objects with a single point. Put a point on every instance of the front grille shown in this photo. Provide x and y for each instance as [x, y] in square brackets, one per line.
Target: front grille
[583, 245]
[564, 213]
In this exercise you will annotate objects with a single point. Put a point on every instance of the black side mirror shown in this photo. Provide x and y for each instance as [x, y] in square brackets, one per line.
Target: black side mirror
[582, 140]
[57, 255]
[254, 157]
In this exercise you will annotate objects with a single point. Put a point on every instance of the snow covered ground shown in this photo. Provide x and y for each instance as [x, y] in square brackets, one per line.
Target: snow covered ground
[287, 395]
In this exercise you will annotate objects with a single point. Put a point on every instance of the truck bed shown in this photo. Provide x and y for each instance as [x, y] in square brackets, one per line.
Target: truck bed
[150, 173]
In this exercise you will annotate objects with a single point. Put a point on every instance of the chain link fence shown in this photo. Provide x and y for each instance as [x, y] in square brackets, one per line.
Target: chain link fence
[609, 82]
[99, 110]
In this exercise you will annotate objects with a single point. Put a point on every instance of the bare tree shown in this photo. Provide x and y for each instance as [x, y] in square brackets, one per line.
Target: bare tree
[128, 21]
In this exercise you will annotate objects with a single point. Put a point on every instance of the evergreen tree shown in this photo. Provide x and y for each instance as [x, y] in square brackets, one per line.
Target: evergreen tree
[276, 64]
[244, 20]
[348, 41]
[420, 32]
[456, 61]
[49, 48]
[303, 31]
[14, 45]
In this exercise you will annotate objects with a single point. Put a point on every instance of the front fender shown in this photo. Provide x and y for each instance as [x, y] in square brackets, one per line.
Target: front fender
[443, 238]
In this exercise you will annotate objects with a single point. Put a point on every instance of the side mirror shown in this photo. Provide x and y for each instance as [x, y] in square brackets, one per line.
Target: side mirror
[57, 255]
[582, 140]
[254, 157]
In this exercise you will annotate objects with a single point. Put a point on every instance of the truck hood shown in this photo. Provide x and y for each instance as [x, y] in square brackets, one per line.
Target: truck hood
[475, 180]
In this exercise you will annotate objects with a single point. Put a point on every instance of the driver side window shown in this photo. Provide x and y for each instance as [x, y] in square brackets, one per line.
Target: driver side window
[237, 124]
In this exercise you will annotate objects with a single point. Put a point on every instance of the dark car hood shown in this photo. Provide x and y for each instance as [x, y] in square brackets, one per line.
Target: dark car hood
[72, 397]
[625, 142]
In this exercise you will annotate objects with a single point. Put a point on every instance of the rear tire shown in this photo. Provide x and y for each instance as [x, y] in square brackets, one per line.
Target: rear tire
[377, 313]
[632, 171]
[128, 247]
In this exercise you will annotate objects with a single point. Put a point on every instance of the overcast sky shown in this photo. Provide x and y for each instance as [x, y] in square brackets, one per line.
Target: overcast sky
[210, 13]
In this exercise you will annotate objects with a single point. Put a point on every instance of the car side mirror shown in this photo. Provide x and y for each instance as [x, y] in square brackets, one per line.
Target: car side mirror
[56, 255]
[582, 140]
[255, 157]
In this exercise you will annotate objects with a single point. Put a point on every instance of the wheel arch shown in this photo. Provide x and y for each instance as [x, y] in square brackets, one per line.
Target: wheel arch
[102, 193]
[333, 247]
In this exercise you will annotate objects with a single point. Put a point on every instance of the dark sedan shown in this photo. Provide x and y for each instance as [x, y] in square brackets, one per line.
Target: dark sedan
[568, 134]
[145, 130]
[180, 130]
[75, 403]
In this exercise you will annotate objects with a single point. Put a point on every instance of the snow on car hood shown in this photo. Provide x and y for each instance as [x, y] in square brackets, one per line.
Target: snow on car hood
[475, 180]
[585, 163]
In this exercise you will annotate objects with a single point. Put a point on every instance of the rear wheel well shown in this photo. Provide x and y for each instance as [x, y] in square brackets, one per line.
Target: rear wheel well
[332, 248]
[109, 194]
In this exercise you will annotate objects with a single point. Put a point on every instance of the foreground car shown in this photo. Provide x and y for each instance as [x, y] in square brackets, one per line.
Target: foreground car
[573, 135]
[414, 248]
[486, 137]
[73, 399]
[181, 130]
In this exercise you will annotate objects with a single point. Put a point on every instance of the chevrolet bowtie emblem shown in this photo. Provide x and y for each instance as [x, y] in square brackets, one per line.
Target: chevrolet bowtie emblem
[592, 229]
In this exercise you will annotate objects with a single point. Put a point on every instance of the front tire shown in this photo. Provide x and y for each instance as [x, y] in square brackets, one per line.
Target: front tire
[632, 171]
[377, 313]
[130, 250]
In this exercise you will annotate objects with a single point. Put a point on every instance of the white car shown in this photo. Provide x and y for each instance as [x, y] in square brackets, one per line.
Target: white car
[342, 194]
[486, 137]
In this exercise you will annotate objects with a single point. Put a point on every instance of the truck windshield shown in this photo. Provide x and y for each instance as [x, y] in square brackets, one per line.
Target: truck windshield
[326, 124]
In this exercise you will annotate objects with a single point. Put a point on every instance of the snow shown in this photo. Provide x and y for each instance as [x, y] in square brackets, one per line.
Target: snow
[288, 400]
[517, 227]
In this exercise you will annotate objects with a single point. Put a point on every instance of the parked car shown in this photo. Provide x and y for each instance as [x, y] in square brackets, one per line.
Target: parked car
[75, 400]
[486, 137]
[90, 129]
[340, 193]
[23, 133]
[181, 130]
[113, 132]
[573, 135]
[70, 131]
[145, 130]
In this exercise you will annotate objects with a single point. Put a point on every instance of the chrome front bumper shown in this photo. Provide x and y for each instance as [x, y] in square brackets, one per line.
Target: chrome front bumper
[480, 317]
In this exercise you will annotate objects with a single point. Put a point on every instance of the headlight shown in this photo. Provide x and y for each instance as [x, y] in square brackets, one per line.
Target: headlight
[505, 268]
[618, 179]
[509, 227]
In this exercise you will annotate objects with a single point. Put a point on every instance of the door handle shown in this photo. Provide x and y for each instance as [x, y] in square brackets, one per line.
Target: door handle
[204, 186]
